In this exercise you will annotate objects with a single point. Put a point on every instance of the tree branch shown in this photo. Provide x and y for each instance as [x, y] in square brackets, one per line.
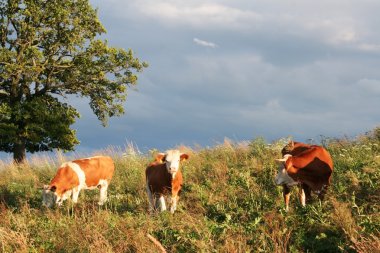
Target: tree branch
[157, 243]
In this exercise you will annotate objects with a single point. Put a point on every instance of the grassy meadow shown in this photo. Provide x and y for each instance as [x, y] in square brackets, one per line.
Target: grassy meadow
[229, 203]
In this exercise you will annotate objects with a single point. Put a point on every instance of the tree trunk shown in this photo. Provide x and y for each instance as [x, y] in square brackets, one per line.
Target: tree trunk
[19, 152]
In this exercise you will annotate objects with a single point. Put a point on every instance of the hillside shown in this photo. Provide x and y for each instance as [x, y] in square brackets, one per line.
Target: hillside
[229, 203]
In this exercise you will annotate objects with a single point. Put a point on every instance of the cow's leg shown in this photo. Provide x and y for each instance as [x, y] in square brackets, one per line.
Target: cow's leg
[173, 200]
[103, 192]
[307, 191]
[302, 195]
[162, 203]
[323, 191]
[286, 195]
[75, 194]
[150, 198]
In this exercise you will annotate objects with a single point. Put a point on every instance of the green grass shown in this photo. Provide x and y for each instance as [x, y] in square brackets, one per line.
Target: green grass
[229, 203]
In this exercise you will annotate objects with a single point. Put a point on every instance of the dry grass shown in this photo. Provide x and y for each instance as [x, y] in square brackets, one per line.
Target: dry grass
[277, 234]
[229, 203]
[12, 241]
[365, 244]
[342, 218]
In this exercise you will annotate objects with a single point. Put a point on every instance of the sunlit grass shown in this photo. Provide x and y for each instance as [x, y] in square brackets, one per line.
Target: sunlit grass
[229, 203]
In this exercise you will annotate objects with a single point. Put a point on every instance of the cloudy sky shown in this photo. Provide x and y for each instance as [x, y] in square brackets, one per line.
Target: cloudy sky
[242, 69]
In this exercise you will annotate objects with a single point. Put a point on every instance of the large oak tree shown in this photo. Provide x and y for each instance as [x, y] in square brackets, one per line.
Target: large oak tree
[49, 50]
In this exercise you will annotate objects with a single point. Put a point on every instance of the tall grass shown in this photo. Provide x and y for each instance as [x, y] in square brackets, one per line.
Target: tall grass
[229, 203]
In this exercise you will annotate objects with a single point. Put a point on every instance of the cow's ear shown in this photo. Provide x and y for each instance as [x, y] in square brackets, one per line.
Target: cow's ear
[291, 144]
[161, 157]
[184, 157]
[53, 188]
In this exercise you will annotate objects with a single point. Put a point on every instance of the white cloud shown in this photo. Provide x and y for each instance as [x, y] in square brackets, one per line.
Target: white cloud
[204, 43]
[197, 14]
[370, 85]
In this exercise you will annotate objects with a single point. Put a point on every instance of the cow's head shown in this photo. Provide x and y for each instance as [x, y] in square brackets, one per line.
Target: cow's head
[50, 197]
[288, 148]
[282, 176]
[172, 159]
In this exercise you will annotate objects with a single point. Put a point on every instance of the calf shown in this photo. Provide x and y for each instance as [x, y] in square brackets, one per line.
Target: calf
[72, 177]
[311, 169]
[163, 177]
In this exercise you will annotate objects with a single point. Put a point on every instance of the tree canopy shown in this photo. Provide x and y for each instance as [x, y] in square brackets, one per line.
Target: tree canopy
[49, 50]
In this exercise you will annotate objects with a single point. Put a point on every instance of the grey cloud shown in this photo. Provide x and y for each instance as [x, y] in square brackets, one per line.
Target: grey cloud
[281, 68]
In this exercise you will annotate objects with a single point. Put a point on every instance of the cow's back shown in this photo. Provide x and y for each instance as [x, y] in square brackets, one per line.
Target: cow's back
[313, 167]
[314, 152]
[96, 168]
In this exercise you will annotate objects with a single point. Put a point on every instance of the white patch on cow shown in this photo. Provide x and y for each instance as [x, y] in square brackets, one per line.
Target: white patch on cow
[76, 191]
[282, 176]
[302, 197]
[103, 191]
[162, 203]
[172, 160]
[80, 173]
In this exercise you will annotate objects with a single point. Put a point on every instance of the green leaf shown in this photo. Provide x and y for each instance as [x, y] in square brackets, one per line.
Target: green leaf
[50, 49]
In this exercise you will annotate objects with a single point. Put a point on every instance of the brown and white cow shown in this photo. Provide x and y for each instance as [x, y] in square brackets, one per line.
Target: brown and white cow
[294, 148]
[164, 178]
[72, 177]
[310, 167]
